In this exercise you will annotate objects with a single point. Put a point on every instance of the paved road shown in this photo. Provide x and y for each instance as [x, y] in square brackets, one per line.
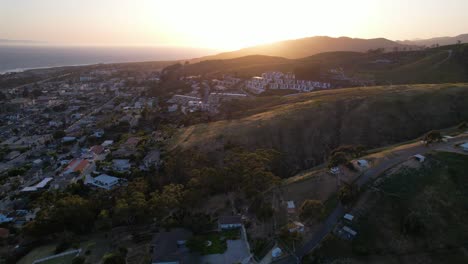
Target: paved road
[399, 157]
[325, 228]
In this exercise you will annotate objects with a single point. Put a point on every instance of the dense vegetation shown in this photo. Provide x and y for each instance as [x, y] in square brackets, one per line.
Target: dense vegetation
[168, 198]
[418, 214]
[307, 127]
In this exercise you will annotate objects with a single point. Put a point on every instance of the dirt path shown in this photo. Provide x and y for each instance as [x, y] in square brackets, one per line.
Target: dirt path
[444, 60]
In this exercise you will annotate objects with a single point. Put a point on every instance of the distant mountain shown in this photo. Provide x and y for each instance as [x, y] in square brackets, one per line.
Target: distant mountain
[442, 41]
[304, 47]
[19, 41]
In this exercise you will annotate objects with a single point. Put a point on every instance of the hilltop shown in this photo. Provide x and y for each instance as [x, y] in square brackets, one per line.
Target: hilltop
[463, 38]
[306, 127]
[304, 47]
[436, 65]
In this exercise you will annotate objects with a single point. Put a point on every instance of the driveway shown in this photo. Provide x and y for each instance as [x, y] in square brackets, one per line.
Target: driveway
[237, 251]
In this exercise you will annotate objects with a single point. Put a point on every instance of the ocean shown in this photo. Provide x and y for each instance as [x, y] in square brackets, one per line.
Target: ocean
[19, 58]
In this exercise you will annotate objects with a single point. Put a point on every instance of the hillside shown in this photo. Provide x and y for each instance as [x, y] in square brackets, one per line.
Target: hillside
[434, 41]
[304, 47]
[437, 65]
[414, 215]
[306, 127]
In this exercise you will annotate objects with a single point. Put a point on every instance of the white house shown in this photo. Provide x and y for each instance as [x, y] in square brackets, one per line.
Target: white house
[419, 157]
[350, 231]
[464, 147]
[5, 219]
[296, 227]
[39, 186]
[362, 163]
[229, 222]
[348, 217]
[105, 181]
[121, 164]
[291, 207]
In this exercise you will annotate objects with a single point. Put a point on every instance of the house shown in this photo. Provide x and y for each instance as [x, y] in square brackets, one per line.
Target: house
[348, 217]
[362, 163]
[446, 138]
[121, 165]
[291, 207]
[99, 133]
[350, 233]
[107, 143]
[419, 157]
[335, 170]
[97, 151]
[131, 142]
[296, 227]
[80, 166]
[152, 159]
[68, 139]
[39, 186]
[172, 108]
[464, 147]
[229, 222]
[5, 219]
[276, 252]
[104, 181]
[169, 247]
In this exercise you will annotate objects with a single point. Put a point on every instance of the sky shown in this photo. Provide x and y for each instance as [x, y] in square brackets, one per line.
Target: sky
[225, 24]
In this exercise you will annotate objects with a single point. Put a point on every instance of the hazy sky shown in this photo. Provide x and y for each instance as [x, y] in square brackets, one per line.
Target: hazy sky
[225, 24]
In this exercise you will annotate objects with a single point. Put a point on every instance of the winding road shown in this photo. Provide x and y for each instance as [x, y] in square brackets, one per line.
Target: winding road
[399, 155]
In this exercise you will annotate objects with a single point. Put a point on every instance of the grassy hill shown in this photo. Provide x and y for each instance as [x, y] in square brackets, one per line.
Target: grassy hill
[304, 47]
[418, 216]
[437, 65]
[306, 127]
[440, 40]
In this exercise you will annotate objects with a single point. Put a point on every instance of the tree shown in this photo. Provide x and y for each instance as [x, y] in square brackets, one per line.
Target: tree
[462, 126]
[337, 159]
[114, 258]
[59, 134]
[170, 198]
[311, 209]
[78, 260]
[432, 136]
[347, 194]
[413, 224]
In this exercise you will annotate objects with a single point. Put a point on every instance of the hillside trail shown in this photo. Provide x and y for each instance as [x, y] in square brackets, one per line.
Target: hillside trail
[449, 55]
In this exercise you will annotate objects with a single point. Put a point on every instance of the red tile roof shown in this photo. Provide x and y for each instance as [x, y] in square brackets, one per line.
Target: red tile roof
[97, 149]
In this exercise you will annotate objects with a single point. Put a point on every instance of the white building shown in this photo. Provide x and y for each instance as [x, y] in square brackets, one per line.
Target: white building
[229, 222]
[104, 181]
[464, 147]
[121, 165]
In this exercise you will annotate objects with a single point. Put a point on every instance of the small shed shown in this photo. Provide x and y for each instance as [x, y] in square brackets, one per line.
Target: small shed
[350, 231]
[276, 252]
[363, 163]
[291, 207]
[464, 147]
[348, 217]
[419, 157]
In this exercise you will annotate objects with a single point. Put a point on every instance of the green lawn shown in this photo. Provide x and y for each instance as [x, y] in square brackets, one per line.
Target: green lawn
[67, 259]
[199, 244]
[38, 253]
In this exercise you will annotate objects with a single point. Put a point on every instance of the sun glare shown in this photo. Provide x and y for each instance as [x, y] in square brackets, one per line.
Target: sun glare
[245, 23]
